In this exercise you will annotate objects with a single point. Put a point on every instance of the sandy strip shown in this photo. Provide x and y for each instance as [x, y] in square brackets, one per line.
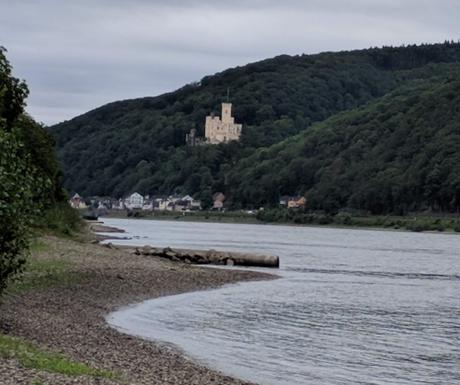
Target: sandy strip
[70, 318]
[101, 228]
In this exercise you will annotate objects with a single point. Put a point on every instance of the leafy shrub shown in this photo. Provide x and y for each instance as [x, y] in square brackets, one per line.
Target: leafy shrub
[417, 226]
[19, 186]
[61, 219]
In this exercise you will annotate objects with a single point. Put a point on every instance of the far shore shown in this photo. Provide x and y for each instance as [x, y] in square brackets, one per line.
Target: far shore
[448, 224]
[66, 312]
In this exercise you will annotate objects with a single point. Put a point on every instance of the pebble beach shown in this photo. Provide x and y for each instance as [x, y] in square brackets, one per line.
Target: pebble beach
[68, 317]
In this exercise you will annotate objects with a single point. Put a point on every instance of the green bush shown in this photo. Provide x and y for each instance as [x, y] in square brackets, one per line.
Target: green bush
[61, 219]
[19, 186]
[418, 226]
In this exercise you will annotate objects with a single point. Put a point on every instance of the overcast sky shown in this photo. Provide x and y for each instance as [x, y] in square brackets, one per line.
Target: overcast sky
[80, 54]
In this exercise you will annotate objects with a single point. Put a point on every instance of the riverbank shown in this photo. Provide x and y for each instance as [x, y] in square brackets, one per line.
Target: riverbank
[58, 308]
[417, 222]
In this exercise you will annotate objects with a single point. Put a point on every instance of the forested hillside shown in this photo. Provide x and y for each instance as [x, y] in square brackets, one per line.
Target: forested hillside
[138, 145]
[401, 153]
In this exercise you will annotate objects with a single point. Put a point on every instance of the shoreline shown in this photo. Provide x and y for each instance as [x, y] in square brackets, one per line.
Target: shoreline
[261, 223]
[69, 316]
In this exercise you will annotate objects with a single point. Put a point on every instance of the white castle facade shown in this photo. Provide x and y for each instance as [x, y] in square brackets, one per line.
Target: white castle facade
[223, 130]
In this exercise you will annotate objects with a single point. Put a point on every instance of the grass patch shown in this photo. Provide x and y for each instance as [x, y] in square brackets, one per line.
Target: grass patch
[38, 246]
[41, 274]
[30, 355]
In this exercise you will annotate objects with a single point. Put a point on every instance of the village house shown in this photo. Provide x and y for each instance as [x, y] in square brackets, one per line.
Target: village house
[176, 203]
[192, 204]
[218, 201]
[77, 202]
[148, 204]
[293, 202]
[296, 202]
[134, 201]
[160, 204]
[118, 204]
[284, 200]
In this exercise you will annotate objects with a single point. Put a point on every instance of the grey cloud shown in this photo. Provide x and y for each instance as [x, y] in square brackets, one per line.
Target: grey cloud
[79, 55]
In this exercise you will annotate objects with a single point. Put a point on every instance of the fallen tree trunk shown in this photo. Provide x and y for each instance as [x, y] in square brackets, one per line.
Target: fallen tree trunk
[210, 257]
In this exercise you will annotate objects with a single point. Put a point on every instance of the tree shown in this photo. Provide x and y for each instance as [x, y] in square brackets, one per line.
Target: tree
[20, 185]
[13, 93]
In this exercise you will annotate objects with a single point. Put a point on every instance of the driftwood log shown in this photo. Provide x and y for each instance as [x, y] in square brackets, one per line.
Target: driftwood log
[210, 257]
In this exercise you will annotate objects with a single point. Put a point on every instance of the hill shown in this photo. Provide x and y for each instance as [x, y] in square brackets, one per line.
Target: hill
[395, 155]
[138, 145]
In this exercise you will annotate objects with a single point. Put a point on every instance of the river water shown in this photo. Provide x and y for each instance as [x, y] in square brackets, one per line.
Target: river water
[351, 306]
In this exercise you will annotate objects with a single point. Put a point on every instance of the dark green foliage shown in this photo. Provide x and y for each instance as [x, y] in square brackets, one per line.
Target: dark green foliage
[19, 183]
[18, 180]
[28, 174]
[13, 93]
[40, 146]
[354, 160]
[396, 155]
[426, 222]
[61, 219]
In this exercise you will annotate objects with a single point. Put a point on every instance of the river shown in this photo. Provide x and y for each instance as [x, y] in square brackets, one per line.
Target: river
[350, 307]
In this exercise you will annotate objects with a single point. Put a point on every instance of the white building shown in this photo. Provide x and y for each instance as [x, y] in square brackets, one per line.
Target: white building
[134, 201]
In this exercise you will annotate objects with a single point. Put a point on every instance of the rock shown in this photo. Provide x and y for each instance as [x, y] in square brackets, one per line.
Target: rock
[146, 250]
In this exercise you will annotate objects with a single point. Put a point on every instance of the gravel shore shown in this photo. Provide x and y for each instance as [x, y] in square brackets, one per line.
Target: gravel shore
[68, 318]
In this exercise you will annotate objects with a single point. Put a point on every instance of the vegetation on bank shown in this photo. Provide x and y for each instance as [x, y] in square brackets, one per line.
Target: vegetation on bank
[139, 145]
[43, 274]
[29, 355]
[412, 222]
[31, 196]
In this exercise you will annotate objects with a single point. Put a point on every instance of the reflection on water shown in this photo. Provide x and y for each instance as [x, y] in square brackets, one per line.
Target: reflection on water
[351, 307]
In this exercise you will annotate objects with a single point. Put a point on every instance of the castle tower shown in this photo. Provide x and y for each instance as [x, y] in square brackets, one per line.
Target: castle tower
[227, 113]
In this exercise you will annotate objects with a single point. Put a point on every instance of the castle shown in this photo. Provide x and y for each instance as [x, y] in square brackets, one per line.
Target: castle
[223, 130]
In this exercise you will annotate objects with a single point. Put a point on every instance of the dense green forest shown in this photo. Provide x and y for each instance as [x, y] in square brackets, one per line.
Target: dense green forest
[395, 155]
[297, 113]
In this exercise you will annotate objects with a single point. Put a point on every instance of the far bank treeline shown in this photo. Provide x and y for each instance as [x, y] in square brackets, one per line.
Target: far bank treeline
[31, 195]
[374, 129]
